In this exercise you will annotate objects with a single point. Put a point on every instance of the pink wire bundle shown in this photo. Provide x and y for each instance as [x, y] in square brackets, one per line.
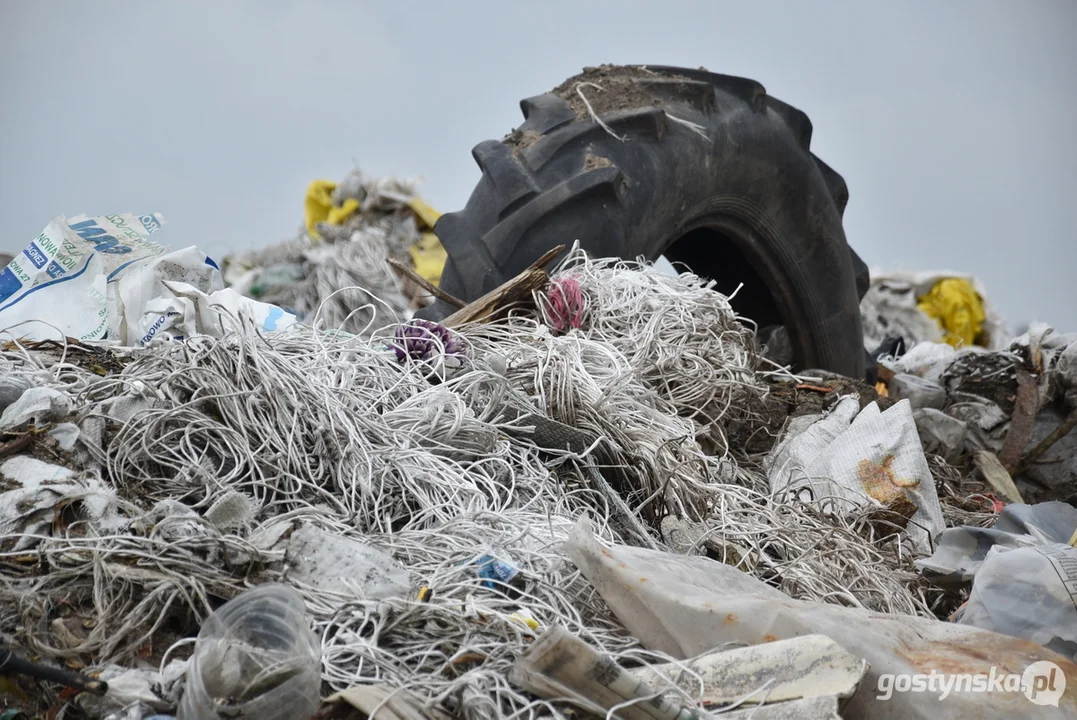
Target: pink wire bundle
[565, 309]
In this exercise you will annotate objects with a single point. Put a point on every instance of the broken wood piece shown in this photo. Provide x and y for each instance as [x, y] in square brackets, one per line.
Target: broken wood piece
[490, 305]
[424, 283]
[19, 443]
[996, 475]
[1024, 416]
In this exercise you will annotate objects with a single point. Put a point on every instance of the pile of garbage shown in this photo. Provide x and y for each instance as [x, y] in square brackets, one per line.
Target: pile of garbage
[334, 272]
[597, 499]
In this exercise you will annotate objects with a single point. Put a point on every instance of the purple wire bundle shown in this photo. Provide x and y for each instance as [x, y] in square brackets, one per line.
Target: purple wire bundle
[425, 341]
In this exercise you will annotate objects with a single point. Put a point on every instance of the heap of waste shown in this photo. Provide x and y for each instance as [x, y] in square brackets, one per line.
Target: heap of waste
[335, 273]
[267, 501]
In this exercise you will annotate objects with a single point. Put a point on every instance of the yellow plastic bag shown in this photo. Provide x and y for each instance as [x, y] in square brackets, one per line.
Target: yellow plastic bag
[957, 308]
[318, 206]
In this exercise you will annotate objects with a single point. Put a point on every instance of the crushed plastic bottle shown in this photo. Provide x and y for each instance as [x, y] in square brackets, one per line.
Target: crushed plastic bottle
[256, 657]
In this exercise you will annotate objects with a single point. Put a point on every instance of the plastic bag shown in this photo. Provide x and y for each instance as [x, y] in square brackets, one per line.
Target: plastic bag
[940, 434]
[928, 360]
[919, 392]
[958, 308]
[319, 207]
[962, 550]
[688, 605]
[102, 278]
[186, 311]
[57, 285]
[856, 457]
[145, 282]
[256, 657]
[955, 298]
[1028, 592]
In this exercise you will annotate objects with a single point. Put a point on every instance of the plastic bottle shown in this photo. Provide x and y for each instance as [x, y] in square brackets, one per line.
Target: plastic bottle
[256, 657]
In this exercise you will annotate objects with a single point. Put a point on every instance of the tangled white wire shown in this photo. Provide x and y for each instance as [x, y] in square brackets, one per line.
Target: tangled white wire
[422, 463]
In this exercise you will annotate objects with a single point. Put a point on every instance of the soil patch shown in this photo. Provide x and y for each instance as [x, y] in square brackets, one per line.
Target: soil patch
[593, 162]
[620, 90]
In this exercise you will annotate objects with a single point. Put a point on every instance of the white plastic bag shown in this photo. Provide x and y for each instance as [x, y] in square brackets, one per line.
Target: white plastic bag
[145, 282]
[102, 278]
[186, 311]
[919, 392]
[890, 307]
[57, 284]
[1027, 592]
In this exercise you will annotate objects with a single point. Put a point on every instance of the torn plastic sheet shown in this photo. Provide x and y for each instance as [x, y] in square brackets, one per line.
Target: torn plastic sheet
[27, 509]
[962, 550]
[941, 434]
[688, 605]
[861, 457]
[11, 389]
[800, 667]
[36, 406]
[65, 435]
[338, 564]
[129, 688]
[1027, 592]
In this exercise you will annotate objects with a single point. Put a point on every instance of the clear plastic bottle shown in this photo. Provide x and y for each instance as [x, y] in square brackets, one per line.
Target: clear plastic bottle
[256, 657]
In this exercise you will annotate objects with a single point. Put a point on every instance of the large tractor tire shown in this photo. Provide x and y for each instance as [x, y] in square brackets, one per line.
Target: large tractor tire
[706, 169]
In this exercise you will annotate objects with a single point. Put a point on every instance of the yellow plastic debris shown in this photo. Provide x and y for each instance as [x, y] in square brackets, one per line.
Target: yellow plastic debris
[957, 308]
[524, 616]
[318, 206]
[428, 256]
[427, 214]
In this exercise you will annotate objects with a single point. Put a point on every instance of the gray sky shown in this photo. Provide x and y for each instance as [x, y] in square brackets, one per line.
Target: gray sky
[953, 122]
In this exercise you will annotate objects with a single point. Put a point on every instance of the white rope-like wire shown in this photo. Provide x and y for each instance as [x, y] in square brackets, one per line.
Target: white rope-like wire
[421, 462]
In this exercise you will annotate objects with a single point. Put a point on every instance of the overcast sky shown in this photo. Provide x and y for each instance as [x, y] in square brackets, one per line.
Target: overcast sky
[954, 123]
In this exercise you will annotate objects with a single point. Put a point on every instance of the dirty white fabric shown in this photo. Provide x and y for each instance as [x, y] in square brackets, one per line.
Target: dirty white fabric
[862, 457]
[36, 406]
[338, 564]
